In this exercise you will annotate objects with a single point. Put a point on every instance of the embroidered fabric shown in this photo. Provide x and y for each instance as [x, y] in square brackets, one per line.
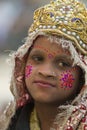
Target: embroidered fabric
[33, 121]
[52, 20]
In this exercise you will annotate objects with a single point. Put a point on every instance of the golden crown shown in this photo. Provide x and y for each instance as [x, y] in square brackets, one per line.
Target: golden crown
[63, 17]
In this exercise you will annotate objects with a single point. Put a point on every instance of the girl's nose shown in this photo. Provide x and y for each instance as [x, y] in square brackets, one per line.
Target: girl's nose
[47, 70]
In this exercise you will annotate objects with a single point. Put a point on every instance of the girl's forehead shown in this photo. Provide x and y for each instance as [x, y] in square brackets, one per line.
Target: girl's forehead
[50, 44]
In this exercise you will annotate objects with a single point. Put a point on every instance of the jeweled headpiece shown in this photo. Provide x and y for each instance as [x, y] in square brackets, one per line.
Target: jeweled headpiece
[65, 18]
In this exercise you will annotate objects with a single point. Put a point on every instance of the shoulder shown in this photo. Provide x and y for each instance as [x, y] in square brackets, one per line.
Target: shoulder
[21, 117]
[14, 119]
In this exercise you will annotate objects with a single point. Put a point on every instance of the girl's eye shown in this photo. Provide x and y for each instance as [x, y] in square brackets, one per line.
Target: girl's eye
[37, 58]
[63, 64]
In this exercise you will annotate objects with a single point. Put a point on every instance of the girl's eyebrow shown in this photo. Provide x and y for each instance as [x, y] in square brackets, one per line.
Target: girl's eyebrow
[64, 57]
[37, 51]
[57, 57]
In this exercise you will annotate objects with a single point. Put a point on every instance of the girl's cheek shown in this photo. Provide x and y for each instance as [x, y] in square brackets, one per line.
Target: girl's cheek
[67, 80]
[28, 71]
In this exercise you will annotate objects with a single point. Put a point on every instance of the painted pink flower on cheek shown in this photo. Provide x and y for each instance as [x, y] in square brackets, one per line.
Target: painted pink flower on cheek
[67, 80]
[28, 71]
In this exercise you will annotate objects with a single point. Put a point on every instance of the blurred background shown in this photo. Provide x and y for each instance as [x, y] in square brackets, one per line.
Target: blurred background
[15, 18]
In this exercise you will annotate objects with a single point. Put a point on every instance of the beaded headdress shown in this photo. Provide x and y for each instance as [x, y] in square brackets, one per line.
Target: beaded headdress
[63, 17]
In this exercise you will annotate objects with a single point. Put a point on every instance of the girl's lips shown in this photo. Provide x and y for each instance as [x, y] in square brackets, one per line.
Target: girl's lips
[44, 84]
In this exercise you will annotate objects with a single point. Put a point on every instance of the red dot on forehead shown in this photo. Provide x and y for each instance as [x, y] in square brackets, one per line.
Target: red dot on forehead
[50, 55]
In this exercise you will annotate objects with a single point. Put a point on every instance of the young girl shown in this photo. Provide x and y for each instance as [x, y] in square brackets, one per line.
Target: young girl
[50, 70]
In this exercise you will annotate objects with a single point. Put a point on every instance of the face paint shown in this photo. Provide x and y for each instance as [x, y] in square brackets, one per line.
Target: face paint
[67, 80]
[28, 71]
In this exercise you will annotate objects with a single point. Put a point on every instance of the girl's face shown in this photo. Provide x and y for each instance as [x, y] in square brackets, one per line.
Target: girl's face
[49, 75]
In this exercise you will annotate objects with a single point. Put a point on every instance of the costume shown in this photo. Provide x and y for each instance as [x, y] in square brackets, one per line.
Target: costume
[66, 18]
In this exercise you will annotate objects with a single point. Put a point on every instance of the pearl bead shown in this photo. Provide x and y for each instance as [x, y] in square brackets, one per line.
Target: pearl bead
[57, 17]
[63, 12]
[78, 37]
[61, 9]
[48, 26]
[66, 18]
[62, 16]
[81, 42]
[36, 29]
[68, 32]
[73, 33]
[66, 22]
[44, 27]
[57, 20]
[40, 26]
[54, 27]
[71, 9]
[60, 21]
[83, 45]
[64, 29]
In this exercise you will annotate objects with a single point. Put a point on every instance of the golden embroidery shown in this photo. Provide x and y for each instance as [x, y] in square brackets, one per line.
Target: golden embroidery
[34, 122]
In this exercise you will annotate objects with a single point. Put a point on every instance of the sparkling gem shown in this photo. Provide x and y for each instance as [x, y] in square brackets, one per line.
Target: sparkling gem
[44, 27]
[62, 16]
[68, 15]
[73, 33]
[63, 12]
[78, 37]
[51, 14]
[75, 19]
[36, 29]
[40, 26]
[68, 32]
[61, 9]
[69, 6]
[60, 21]
[83, 45]
[81, 42]
[48, 26]
[65, 22]
[54, 27]
[57, 20]
[71, 9]
[66, 18]
[64, 29]
[57, 17]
